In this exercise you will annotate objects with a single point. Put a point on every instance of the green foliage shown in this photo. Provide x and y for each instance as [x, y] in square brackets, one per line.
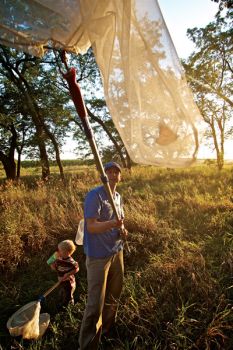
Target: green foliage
[209, 70]
[36, 103]
[178, 281]
[224, 4]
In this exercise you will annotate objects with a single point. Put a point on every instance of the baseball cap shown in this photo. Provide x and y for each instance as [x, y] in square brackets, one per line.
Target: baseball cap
[112, 165]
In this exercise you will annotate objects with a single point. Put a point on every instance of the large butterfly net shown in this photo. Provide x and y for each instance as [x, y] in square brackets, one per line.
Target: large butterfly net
[144, 84]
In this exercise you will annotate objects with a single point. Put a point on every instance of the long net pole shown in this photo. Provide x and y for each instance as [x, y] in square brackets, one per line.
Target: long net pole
[77, 98]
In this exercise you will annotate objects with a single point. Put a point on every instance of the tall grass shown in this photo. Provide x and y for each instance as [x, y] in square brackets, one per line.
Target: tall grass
[178, 291]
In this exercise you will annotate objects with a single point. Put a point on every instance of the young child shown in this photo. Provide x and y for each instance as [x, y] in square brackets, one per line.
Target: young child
[66, 267]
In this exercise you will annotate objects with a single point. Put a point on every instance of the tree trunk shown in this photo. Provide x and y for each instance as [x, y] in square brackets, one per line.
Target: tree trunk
[39, 134]
[128, 160]
[219, 154]
[45, 170]
[117, 146]
[9, 166]
[10, 169]
[57, 151]
[8, 160]
[21, 83]
[20, 151]
[18, 165]
[220, 161]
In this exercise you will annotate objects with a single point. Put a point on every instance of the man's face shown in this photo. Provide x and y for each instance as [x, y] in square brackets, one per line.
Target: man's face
[114, 175]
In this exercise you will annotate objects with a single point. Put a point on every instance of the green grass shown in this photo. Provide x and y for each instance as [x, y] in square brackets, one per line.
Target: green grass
[178, 291]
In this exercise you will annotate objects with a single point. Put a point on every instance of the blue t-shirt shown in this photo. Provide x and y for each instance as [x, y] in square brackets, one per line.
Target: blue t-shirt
[97, 205]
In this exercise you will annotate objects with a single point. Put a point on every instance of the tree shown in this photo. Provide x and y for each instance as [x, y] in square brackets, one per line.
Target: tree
[14, 68]
[40, 102]
[13, 121]
[224, 3]
[209, 70]
[8, 143]
[35, 81]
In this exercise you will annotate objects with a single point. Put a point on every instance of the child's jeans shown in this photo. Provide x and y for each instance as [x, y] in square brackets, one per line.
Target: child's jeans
[66, 292]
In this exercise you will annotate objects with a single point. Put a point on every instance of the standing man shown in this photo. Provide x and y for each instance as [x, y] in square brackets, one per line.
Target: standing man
[104, 259]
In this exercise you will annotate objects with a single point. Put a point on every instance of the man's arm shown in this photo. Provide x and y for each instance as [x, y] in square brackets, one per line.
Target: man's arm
[95, 226]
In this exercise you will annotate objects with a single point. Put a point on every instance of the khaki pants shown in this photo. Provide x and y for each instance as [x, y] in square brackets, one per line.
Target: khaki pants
[105, 280]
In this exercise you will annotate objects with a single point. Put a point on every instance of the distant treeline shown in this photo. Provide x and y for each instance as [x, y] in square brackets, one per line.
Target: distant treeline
[65, 162]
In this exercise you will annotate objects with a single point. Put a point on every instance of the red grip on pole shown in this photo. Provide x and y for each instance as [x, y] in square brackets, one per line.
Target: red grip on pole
[75, 92]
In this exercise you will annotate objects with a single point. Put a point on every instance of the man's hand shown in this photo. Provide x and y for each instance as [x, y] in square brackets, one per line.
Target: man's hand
[117, 223]
[124, 233]
[120, 224]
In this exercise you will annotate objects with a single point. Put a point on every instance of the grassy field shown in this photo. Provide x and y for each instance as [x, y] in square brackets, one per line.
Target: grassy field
[178, 291]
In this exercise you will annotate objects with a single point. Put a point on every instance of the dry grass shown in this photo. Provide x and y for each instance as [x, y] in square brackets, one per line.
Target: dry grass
[178, 283]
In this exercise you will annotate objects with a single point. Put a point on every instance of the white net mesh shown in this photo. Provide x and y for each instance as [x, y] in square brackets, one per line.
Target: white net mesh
[145, 87]
[28, 322]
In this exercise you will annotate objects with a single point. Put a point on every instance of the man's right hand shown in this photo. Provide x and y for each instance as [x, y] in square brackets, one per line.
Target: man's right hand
[120, 224]
[117, 223]
[124, 233]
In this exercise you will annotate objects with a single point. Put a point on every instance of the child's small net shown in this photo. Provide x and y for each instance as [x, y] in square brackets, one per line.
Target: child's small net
[144, 83]
[28, 322]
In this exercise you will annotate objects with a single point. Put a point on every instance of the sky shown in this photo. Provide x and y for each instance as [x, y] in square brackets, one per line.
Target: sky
[180, 15]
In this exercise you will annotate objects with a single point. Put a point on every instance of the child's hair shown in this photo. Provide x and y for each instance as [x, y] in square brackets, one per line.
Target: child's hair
[67, 246]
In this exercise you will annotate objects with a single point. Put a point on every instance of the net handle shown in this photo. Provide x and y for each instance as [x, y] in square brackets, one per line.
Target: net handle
[79, 104]
[51, 289]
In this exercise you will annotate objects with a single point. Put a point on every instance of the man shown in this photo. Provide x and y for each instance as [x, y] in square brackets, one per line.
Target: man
[104, 259]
